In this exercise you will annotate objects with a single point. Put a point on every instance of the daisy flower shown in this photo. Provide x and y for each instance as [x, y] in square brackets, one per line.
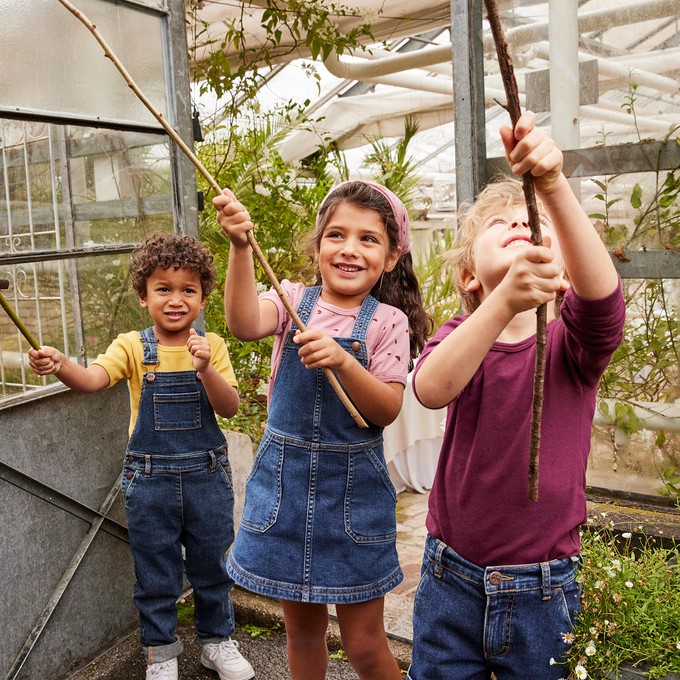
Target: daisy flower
[580, 672]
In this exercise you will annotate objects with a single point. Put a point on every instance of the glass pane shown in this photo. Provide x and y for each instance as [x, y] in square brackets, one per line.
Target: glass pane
[73, 187]
[49, 297]
[41, 42]
[64, 187]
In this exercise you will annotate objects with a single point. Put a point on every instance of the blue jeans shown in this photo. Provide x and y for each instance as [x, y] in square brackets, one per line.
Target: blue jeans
[170, 502]
[470, 621]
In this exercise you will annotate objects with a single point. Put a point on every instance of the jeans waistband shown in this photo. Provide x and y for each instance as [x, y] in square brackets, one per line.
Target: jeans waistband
[174, 462]
[322, 446]
[546, 576]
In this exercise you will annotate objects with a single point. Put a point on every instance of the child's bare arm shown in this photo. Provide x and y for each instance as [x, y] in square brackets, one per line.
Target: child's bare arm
[246, 317]
[588, 264]
[532, 280]
[377, 401]
[50, 361]
[222, 396]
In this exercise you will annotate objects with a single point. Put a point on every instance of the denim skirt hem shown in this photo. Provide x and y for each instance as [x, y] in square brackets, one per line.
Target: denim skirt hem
[313, 594]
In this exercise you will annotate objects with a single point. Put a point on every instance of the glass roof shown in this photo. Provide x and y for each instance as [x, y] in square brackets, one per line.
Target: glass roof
[618, 54]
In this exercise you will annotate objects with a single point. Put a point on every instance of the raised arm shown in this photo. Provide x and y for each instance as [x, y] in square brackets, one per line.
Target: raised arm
[532, 279]
[222, 396]
[588, 264]
[246, 317]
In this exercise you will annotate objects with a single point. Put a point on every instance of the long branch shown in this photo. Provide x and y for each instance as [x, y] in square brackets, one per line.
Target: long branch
[513, 108]
[216, 188]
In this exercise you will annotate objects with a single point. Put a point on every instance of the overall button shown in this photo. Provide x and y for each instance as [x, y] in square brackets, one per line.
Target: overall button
[150, 377]
[356, 346]
[130, 459]
[495, 578]
[128, 475]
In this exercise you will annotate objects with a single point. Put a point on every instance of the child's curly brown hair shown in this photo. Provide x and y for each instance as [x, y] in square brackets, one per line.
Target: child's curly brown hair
[162, 250]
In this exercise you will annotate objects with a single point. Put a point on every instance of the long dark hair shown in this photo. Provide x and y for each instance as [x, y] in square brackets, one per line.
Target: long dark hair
[398, 287]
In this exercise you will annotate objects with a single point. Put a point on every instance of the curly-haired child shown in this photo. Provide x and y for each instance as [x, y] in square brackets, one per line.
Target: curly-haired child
[176, 479]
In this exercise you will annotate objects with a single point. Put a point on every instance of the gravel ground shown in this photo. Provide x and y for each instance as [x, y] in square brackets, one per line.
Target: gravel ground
[266, 654]
[261, 638]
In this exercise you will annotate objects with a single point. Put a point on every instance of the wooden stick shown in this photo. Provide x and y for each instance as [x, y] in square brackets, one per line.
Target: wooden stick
[17, 321]
[513, 108]
[335, 384]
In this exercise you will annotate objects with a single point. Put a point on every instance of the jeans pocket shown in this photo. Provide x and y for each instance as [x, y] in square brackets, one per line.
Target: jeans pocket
[177, 411]
[225, 473]
[263, 488]
[571, 601]
[127, 484]
[370, 500]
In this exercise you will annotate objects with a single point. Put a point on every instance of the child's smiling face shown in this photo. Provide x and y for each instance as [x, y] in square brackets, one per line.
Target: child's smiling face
[353, 253]
[174, 298]
[502, 236]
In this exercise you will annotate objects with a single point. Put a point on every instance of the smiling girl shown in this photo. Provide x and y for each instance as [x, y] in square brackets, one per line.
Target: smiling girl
[319, 523]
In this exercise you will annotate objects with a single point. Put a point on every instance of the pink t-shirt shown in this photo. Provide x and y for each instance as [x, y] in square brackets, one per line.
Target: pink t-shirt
[387, 339]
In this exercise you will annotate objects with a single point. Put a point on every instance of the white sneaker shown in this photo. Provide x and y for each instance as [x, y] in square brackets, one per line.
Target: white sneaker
[225, 658]
[165, 670]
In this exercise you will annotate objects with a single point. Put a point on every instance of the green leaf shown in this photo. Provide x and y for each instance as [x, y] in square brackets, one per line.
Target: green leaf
[636, 196]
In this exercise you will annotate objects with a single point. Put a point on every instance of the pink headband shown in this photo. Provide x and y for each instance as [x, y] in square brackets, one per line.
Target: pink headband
[398, 210]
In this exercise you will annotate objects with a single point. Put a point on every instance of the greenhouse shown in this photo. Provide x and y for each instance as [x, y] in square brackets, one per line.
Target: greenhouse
[120, 119]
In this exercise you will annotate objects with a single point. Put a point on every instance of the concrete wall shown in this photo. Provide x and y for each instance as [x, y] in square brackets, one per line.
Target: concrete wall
[59, 458]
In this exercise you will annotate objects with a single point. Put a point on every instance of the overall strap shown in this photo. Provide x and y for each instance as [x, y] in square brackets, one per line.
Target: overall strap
[150, 345]
[364, 317]
[306, 306]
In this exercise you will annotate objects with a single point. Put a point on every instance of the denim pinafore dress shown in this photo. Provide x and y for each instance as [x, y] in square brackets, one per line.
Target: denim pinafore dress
[319, 522]
[178, 492]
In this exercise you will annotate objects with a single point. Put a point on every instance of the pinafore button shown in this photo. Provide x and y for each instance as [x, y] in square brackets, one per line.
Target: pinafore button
[356, 346]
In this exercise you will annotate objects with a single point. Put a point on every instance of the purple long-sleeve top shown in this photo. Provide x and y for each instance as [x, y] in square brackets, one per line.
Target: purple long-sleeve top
[478, 504]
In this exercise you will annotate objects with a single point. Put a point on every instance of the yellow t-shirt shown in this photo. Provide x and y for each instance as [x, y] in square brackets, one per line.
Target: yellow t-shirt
[123, 361]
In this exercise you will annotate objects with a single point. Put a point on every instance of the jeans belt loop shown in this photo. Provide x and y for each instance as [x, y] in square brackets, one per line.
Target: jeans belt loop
[545, 581]
[213, 461]
[438, 567]
[147, 465]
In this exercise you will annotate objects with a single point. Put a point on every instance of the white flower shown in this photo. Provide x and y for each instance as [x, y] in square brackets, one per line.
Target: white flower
[616, 564]
[552, 661]
[580, 672]
[568, 638]
[590, 649]
[262, 190]
[677, 645]
[626, 534]
[593, 630]
[629, 584]
[599, 585]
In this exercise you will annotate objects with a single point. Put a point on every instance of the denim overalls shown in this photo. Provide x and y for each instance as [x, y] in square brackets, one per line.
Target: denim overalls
[319, 522]
[178, 492]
